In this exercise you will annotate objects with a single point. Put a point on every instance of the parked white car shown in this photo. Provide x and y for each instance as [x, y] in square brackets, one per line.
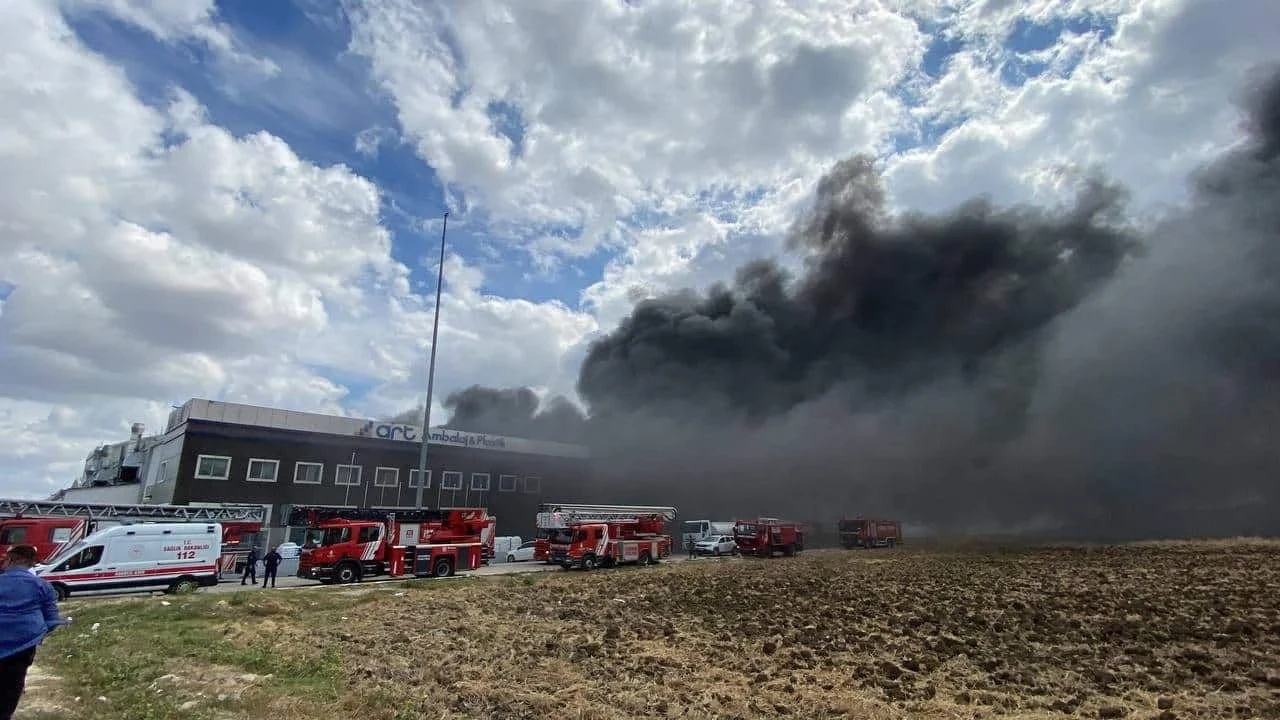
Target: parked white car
[289, 550]
[522, 553]
[717, 545]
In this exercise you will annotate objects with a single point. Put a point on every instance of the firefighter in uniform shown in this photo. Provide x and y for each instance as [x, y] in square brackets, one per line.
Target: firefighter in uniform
[270, 563]
[250, 567]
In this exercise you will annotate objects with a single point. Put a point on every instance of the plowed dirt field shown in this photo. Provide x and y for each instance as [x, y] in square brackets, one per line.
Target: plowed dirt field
[1175, 630]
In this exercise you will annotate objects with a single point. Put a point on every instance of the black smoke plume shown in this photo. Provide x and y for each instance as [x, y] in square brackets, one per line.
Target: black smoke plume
[1036, 370]
[514, 411]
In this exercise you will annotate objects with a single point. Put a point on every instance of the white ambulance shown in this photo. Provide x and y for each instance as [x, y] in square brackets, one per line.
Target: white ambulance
[140, 556]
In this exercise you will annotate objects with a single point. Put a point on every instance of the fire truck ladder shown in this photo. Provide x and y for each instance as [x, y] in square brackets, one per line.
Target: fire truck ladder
[303, 514]
[599, 513]
[95, 511]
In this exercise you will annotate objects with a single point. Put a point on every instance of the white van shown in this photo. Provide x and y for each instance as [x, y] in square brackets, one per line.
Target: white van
[140, 556]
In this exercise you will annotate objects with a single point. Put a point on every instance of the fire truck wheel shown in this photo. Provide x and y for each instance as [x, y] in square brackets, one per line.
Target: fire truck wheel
[443, 568]
[646, 559]
[589, 562]
[347, 573]
[60, 591]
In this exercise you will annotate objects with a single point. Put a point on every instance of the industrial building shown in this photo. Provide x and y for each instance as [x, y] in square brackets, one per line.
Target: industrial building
[217, 452]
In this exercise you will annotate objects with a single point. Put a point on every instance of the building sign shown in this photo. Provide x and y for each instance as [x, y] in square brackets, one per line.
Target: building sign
[392, 431]
[439, 436]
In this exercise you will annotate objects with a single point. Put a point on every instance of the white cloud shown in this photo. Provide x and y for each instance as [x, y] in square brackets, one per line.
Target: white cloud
[1147, 105]
[632, 108]
[155, 256]
[172, 21]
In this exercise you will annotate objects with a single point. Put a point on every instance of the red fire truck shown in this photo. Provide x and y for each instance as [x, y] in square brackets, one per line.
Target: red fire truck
[552, 521]
[861, 532]
[345, 545]
[763, 537]
[591, 536]
[548, 527]
[51, 526]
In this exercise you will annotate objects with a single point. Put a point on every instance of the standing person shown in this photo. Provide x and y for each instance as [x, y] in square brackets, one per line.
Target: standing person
[28, 612]
[689, 547]
[270, 563]
[251, 567]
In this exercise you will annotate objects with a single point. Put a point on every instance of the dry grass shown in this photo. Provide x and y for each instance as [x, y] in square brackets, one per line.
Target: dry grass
[1044, 633]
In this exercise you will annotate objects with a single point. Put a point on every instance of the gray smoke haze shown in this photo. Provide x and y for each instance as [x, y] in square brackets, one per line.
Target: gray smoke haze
[1047, 370]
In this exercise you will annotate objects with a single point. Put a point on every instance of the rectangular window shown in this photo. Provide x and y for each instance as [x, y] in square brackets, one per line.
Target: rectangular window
[451, 480]
[161, 473]
[532, 484]
[213, 467]
[308, 473]
[413, 478]
[507, 483]
[480, 482]
[262, 470]
[386, 477]
[347, 475]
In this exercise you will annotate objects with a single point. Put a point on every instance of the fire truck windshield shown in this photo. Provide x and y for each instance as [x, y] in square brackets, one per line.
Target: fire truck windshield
[13, 535]
[328, 536]
[745, 529]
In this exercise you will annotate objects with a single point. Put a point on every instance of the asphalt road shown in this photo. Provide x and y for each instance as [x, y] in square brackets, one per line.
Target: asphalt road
[292, 582]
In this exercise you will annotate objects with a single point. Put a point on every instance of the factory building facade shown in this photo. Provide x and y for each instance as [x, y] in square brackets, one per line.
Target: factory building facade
[216, 452]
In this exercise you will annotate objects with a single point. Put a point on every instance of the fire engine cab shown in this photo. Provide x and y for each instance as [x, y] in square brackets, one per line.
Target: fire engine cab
[345, 545]
[55, 526]
[591, 536]
[763, 537]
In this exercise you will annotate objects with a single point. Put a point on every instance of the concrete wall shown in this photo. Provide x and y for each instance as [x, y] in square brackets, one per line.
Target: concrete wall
[111, 494]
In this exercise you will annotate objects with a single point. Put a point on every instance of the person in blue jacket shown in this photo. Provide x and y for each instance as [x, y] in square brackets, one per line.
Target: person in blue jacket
[28, 612]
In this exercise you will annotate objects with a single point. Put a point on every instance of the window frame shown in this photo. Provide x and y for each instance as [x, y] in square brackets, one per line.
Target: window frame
[488, 482]
[414, 471]
[502, 483]
[298, 466]
[201, 458]
[537, 485]
[359, 475]
[377, 482]
[275, 472]
[446, 475]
